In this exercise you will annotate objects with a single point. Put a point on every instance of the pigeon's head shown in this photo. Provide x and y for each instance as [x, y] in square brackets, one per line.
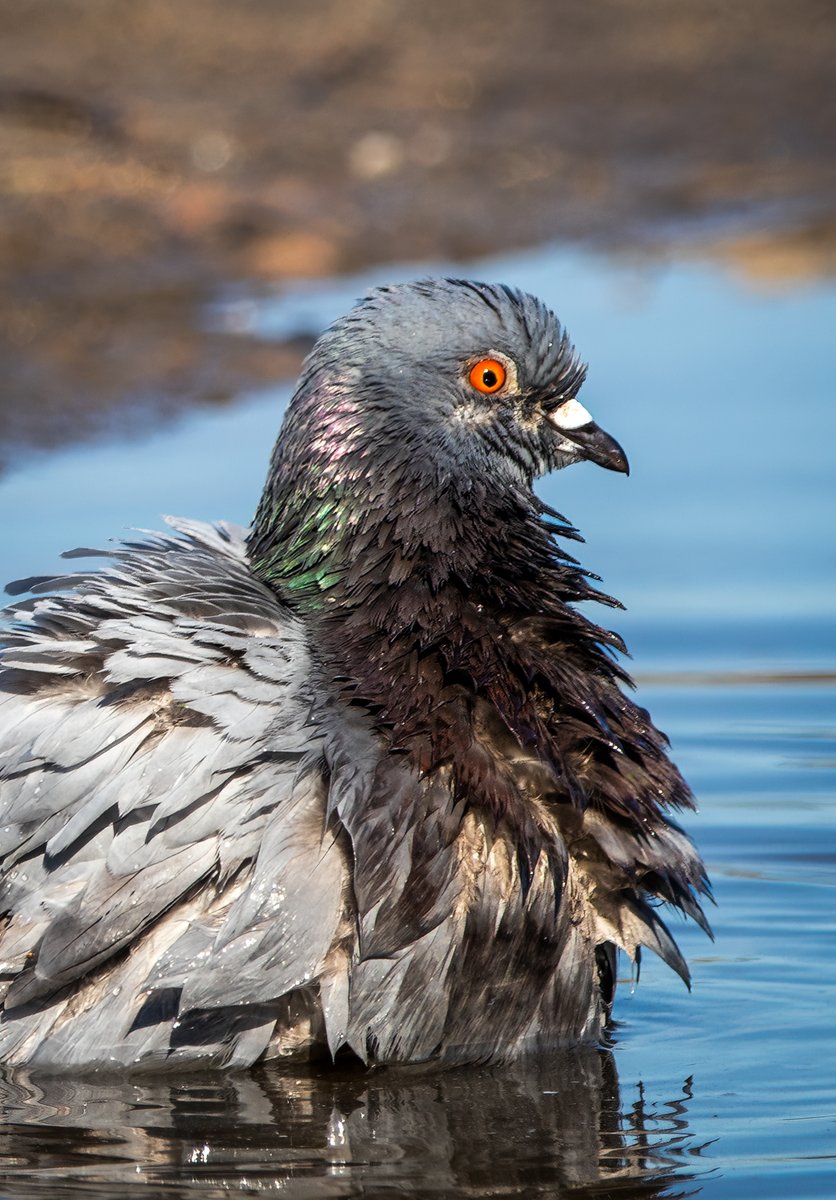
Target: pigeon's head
[422, 417]
[460, 378]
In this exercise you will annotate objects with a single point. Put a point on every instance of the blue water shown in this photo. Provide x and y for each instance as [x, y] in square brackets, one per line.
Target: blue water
[722, 544]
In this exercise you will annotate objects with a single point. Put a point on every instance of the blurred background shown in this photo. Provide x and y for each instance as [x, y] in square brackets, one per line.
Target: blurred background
[152, 153]
[189, 191]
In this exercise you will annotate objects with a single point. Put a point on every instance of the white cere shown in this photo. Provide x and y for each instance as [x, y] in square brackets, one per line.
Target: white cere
[570, 415]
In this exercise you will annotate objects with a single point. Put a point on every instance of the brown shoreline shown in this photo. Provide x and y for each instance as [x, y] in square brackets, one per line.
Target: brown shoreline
[152, 152]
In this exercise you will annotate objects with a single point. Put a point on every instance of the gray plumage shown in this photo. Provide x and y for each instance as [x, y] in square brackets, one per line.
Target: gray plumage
[362, 779]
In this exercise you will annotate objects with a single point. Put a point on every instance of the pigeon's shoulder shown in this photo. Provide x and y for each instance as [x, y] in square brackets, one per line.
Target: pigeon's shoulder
[175, 616]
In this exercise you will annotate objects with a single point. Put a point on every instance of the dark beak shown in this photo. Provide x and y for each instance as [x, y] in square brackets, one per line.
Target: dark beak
[599, 447]
[573, 422]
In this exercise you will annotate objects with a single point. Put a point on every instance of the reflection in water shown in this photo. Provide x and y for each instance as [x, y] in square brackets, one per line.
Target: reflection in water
[557, 1128]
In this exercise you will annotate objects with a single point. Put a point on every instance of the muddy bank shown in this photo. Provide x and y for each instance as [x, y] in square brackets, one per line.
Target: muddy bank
[153, 152]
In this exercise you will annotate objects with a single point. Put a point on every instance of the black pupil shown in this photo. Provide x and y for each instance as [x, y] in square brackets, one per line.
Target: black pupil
[489, 378]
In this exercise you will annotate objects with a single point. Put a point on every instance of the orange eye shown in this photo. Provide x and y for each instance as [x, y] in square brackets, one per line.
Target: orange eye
[487, 376]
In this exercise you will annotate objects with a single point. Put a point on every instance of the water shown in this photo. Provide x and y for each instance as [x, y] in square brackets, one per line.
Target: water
[722, 545]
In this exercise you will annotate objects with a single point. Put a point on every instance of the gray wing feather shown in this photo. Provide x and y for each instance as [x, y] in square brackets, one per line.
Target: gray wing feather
[400, 1004]
[160, 794]
[108, 916]
[278, 933]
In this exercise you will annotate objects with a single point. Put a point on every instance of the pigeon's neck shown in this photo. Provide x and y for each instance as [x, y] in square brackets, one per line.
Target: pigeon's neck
[419, 599]
[339, 527]
[401, 548]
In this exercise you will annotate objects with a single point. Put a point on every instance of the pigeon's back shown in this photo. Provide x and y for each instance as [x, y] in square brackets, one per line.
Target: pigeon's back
[163, 813]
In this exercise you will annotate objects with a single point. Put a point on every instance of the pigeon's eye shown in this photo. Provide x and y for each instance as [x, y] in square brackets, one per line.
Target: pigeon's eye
[488, 376]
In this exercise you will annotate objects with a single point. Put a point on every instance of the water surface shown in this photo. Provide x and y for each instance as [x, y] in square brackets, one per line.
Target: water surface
[721, 543]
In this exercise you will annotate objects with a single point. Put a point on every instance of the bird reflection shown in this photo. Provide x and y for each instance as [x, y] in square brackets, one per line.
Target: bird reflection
[557, 1127]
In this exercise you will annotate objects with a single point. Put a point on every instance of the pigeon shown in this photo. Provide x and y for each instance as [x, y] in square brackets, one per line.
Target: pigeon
[363, 781]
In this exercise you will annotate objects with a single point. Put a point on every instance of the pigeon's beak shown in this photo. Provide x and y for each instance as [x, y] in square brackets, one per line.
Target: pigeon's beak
[573, 422]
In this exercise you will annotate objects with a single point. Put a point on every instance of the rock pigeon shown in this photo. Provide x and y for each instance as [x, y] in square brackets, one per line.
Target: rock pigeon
[362, 780]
